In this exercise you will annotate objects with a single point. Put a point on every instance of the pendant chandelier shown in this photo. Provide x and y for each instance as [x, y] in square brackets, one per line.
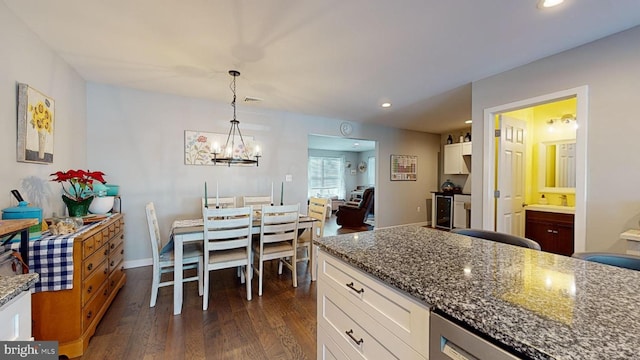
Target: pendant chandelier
[235, 150]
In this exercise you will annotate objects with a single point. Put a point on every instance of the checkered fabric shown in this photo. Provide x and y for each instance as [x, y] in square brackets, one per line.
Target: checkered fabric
[52, 257]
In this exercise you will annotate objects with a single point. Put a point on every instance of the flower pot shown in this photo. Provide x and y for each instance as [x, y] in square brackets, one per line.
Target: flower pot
[77, 208]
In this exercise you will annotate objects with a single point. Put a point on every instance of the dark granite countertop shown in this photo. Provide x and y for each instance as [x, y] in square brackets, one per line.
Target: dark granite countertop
[542, 305]
[12, 286]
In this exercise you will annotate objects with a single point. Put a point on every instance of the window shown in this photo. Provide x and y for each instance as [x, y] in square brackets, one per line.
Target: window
[326, 176]
[371, 171]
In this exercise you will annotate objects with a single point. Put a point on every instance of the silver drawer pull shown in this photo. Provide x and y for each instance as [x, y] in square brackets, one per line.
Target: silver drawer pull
[352, 287]
[350, 333]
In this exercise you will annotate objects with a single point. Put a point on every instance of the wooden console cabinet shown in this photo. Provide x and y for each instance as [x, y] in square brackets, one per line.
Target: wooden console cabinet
[71, 316]
[553, 231]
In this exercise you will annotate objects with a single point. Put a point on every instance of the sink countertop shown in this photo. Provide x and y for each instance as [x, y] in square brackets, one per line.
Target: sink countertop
[541, 305]
[12, 286]
[552, 208]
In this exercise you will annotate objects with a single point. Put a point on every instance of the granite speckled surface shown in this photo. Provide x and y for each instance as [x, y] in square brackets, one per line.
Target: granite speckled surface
[12, 286]
[542, 305]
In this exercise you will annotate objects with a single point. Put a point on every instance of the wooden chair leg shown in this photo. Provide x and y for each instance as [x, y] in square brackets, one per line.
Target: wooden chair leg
[205, 295]
[155, 284]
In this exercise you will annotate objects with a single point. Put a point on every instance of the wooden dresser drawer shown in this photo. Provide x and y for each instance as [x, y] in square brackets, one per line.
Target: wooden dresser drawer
[115, 276]
[116, 241]
[402, 316]
[92, 263]
[355, 332]
[88, 247]
[115, 257]
[91, 310]
[93, 282]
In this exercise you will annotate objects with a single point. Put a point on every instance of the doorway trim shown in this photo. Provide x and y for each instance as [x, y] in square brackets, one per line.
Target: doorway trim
[489, 170]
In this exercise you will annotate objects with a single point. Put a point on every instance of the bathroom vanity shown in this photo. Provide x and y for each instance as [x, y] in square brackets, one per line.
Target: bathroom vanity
[552, 227]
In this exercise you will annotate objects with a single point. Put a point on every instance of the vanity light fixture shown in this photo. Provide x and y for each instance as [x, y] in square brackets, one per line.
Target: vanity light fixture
[228, 155]
[468, 121]
[543, 4]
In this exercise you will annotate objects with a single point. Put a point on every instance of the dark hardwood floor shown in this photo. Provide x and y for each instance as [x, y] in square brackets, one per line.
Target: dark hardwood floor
[281, 324]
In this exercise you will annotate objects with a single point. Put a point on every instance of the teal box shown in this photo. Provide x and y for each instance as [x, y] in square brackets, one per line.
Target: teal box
[23, 211]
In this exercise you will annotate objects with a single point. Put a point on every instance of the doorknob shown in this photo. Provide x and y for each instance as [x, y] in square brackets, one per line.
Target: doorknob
[524, 204]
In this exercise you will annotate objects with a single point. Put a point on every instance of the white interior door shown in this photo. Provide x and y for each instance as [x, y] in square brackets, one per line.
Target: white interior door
[510, 176]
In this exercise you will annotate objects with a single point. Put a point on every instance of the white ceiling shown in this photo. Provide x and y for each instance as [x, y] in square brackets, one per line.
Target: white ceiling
[333, 58]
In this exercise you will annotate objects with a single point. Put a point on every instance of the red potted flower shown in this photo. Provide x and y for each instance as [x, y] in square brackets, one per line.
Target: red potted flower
[77, 186]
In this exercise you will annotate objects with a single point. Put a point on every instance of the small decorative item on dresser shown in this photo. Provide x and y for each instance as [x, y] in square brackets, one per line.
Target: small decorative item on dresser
[450, 140]
[467, 137]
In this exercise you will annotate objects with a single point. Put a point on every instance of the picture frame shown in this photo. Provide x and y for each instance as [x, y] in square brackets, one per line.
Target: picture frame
[36, 120]
[198, 146]
[404, 168]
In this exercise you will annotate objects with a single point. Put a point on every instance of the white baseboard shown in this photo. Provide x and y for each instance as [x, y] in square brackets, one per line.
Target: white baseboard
[138, 263]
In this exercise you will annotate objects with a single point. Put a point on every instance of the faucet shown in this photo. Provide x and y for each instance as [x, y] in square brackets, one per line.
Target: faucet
[563, 200]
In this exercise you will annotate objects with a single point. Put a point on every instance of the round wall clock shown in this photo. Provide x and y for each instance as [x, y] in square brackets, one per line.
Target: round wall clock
[346, 129]
[362, 167]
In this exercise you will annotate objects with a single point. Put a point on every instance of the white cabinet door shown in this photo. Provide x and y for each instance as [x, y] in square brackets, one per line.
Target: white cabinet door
[15, 317]
[459, 212]
[454, 162]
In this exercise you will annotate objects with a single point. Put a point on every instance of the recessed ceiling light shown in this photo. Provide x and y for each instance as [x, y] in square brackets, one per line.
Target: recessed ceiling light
[542, 4]
[386, 105]
[468, 121]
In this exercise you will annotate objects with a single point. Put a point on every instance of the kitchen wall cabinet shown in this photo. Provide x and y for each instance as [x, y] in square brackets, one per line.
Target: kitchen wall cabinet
[457, 159]
[553, 231]
[71, 316]
[360, 317]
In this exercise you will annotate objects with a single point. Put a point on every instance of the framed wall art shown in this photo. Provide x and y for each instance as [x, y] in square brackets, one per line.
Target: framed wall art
[198, 146]
[404, 168]
[36, 116]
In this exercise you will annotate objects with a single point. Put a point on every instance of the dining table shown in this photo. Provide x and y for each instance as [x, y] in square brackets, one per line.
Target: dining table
[192, 230]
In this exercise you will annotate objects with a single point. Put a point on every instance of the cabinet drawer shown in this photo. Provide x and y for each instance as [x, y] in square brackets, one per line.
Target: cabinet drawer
[99, 239]
[551, 217]
[116, 241]
[115, 257]
[93, 282]
[91, 310]
[116, 275]
[355, 332]
[92, 262]
[88, 247]
[327, 348]
[404, 317]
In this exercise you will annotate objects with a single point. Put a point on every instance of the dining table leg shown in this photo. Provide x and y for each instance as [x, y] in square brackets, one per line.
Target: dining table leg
[177, 274]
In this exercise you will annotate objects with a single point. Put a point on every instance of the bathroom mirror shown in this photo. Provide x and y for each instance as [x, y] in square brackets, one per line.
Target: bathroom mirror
[557, 166]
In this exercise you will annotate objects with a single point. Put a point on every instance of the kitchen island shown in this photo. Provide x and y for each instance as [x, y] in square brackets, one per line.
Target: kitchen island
[536, 304]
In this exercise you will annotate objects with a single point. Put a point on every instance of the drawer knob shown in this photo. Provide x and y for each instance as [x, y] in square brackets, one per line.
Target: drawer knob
[352, 287]
[350, 333]
[90, 266]
[89, 314]
[89, 289]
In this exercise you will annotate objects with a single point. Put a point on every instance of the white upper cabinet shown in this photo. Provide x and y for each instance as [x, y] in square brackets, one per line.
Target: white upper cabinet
[456, 160]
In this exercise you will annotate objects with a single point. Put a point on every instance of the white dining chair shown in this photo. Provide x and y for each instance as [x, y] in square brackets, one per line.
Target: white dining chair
[278, 239]
[318, 208]
[163, 257]
[227, 244]
[223, 202]
[256, 202]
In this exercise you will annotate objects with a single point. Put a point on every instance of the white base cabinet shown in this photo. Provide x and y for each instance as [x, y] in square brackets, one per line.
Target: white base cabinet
[360, 317]
[15, 317]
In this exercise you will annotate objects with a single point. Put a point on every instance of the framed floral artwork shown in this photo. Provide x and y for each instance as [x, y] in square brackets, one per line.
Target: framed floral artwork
[198, 146]
[36, 116]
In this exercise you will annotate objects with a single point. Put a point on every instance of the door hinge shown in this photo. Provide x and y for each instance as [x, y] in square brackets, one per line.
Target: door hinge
[496, 194]
[497, 134]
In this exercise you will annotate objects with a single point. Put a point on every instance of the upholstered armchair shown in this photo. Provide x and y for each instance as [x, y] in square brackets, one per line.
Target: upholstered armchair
[354, 216]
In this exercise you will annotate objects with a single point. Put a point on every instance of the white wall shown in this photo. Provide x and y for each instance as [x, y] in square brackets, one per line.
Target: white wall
[26, 59]
[137, 139]
[610, 68]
